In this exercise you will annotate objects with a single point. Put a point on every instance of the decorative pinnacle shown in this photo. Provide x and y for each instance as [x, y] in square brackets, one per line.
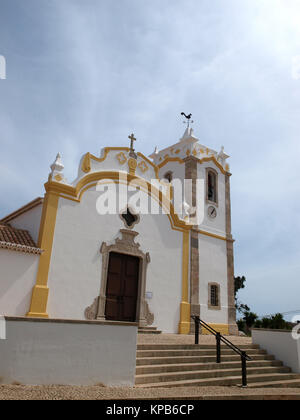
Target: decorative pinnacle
[57, 165]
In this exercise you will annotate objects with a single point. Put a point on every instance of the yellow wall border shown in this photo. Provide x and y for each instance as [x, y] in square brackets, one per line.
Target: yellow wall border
[179, 160]
[185, 307]
[38, 306]
[86, 161]
[221, 328]
[75, 192]
[55, 190]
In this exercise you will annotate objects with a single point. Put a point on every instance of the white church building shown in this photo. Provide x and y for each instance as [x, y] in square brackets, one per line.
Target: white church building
[86, 251]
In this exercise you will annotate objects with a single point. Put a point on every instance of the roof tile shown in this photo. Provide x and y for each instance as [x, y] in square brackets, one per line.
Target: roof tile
[16, 236]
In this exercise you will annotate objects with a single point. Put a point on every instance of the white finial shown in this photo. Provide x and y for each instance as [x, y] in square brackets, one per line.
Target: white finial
[57, 165]
[156, 151]
[222, 156]
[57, 168]
[186, 134]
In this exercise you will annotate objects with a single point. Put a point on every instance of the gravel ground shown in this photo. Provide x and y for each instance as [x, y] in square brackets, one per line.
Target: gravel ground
[13, 392]
[187, 339]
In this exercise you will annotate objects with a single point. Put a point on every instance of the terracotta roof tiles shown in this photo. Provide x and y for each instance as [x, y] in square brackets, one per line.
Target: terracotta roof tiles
[17, 239]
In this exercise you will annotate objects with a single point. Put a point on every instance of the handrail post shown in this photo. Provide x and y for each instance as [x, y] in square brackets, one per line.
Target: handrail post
[218, 339]
[244, 369]
[197, 323]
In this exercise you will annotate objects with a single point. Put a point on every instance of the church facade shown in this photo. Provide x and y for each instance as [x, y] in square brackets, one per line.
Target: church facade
[132, 239]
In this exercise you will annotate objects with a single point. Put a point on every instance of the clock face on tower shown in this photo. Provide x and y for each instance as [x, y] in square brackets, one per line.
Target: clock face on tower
[212, 212]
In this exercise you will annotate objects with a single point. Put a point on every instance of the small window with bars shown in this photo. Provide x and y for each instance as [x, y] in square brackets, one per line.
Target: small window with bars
[214, 296]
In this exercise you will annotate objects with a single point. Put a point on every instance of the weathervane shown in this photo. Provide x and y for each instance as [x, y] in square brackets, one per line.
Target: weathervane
[188, 117]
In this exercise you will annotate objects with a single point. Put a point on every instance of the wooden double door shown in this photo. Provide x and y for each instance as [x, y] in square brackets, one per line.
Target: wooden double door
[122, 287]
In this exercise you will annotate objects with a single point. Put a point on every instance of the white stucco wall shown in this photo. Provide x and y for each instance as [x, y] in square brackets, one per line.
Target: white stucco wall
[280, 344]
[30, 221]
[42, 352]
[75, 270]
[177, 169]
[213, 269]
[17, 278]
[218, 225]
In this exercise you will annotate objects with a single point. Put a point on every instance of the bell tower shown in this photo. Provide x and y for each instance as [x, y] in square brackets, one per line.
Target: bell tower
[211, 262]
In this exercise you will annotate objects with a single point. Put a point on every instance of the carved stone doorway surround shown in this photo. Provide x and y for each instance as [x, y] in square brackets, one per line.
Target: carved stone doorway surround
[126, 245]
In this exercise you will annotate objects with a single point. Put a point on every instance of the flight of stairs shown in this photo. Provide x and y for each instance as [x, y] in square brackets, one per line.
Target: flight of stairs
[148, 330]
[175, 365]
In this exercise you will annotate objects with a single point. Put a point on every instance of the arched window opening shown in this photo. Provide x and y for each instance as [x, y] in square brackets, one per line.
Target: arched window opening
[212, 186]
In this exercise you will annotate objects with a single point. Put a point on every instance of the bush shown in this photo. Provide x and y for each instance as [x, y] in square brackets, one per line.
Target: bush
[251, 320]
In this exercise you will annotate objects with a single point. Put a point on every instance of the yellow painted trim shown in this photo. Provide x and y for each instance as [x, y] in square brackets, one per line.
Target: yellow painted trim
[212, 235]
[75, 193]
[55, 190]
[122, 159]
[170, 159]
[185, 307]
[143, 166]
[213, 159]
[86, 163]
[147, 160]
[221, 328]
[38, 306]
[132, 164]
[205, 159]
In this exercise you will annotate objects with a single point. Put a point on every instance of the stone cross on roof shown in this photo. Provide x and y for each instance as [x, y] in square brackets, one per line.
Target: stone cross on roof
[132, 139]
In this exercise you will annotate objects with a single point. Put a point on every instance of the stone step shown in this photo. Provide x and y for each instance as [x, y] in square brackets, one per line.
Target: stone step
[148, 327]
[191, 347]
[292, 383]
[204, 374]
[225, 381]
[148, 330]
[152, 369]
[196, 352]
[143, 361]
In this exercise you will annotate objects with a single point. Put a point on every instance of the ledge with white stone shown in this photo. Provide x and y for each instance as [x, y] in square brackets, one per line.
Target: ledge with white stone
[68, 352]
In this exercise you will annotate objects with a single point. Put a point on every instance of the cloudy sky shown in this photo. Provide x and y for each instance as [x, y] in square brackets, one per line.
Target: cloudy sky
[82, 75]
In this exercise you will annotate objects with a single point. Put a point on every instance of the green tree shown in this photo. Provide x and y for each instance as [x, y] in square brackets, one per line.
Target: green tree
[239, 283]
[250, 319]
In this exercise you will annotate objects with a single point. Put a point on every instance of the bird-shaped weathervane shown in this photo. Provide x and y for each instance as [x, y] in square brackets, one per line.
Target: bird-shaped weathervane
[188, 119]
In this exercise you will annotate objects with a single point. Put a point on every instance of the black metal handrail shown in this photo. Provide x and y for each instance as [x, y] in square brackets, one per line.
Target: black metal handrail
[220, 338]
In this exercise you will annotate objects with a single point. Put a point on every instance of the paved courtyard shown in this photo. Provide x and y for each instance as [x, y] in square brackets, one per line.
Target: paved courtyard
[14, 392]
